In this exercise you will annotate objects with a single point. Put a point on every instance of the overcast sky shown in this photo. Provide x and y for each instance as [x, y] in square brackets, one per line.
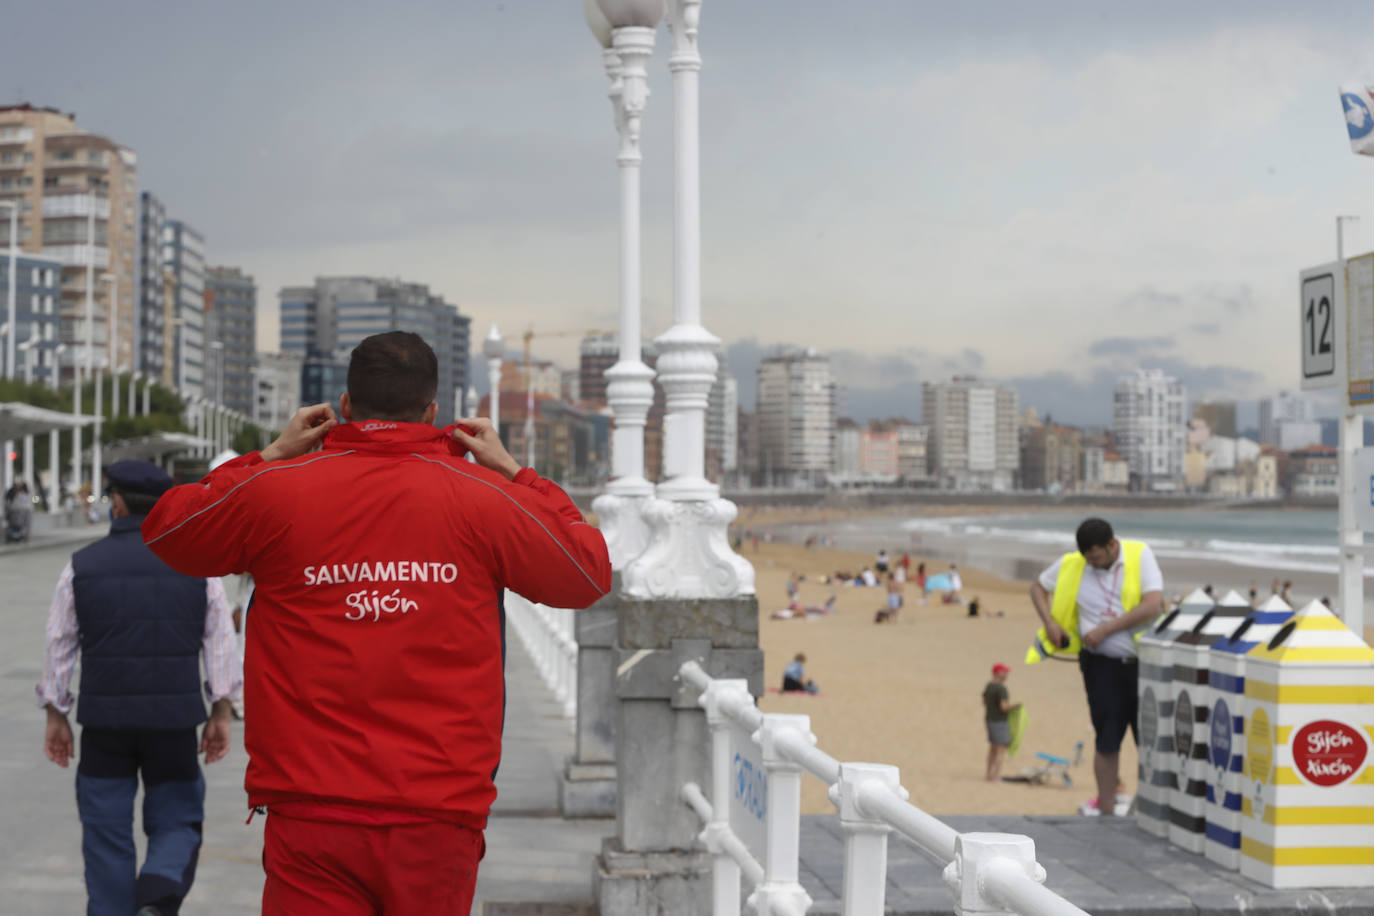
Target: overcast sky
[1044, 194]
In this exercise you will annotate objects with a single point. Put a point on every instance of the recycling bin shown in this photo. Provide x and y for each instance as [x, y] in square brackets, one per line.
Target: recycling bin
[1307, 812]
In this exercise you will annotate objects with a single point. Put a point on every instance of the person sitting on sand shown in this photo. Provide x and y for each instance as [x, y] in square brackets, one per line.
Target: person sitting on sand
[868, 578]
[996, 705]
[820, 610]
[794, 678]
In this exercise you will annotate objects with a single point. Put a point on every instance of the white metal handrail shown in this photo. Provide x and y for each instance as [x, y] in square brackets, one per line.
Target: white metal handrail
[548, 636]
[989, 873]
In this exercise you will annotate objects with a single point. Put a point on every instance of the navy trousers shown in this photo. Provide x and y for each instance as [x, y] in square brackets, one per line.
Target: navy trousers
[173, 807]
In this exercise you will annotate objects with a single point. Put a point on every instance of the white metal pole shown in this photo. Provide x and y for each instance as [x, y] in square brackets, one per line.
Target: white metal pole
[147, 395]
[13, 278]
[54, 437]
[1351, 607]
[83, 366]
[133, 388]
[112, 332]
[97, 466]
[12, 328]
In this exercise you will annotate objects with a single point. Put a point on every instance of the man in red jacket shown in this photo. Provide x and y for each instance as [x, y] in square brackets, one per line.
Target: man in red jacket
[374, 687]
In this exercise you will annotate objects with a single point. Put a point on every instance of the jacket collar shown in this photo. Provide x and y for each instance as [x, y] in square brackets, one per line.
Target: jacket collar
[126, 523]
[389, 436]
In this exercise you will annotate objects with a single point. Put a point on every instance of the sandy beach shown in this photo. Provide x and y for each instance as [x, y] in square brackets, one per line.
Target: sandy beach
[909, 693]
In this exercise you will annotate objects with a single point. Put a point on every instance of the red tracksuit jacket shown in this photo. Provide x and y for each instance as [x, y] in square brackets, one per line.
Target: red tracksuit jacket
[374, 646]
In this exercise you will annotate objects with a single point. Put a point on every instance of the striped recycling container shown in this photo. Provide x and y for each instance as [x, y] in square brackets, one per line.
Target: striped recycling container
[1226, 723]
[1307, 813]
[1192, 700]
[1156, 649]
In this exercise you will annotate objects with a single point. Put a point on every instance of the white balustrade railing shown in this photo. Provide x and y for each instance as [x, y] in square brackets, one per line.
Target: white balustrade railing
[548, 636]
[753, 821]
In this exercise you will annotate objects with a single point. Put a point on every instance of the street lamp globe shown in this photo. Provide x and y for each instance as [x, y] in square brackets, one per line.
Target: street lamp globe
[644, 14]
[494, 347]
[597, 22]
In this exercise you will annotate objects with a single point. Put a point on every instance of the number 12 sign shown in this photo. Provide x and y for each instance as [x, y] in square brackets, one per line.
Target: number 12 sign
[1322, 322]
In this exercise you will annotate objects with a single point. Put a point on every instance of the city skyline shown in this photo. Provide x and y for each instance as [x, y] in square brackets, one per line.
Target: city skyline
[1145, 195]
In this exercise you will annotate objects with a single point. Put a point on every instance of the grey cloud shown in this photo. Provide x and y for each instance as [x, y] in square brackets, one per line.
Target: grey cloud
[1130, 346]
[1148, 297]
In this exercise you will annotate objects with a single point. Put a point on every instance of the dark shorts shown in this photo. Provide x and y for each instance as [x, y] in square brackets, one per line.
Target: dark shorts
[1112, 702]
[999, 733]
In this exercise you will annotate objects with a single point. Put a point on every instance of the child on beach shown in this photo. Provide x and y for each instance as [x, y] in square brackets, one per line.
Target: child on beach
[794, 677]
[996, 705]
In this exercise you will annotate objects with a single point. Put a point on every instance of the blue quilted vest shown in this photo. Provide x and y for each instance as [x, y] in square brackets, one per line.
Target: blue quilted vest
[141, 625]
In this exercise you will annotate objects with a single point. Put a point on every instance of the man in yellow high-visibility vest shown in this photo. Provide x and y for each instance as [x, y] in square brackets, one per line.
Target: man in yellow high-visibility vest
[1104, 596]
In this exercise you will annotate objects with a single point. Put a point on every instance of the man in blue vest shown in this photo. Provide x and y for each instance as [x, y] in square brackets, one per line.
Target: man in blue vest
[140, 629]
[1105, 593]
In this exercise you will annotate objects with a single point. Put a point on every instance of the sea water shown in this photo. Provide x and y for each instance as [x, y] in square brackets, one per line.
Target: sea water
[1295, 540]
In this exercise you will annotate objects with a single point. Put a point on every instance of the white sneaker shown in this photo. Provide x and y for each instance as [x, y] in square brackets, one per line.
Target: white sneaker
[1089, 808]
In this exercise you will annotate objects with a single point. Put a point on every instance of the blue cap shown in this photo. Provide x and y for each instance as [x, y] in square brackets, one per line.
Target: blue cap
[138, 477]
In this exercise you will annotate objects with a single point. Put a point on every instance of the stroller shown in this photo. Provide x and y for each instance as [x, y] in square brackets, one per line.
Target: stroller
[18, 515]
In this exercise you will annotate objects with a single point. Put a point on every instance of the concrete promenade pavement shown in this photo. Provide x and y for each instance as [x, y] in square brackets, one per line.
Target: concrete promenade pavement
[533, 856]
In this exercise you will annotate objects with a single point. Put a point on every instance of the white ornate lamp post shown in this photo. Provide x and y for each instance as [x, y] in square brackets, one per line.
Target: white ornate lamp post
[689, 555]
[626, 29]
[494, 349]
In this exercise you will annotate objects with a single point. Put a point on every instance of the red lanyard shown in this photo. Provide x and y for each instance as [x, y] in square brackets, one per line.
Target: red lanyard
[1115, 589]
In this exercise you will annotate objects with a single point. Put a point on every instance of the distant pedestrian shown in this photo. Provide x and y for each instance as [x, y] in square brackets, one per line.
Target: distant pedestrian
[880, 562]
[794, 679]
[996, 706]
[894, 601]
[1286, 594]
[1254, 594]
[140, 629]
[956, 585]
[921, 581]
[793, 586]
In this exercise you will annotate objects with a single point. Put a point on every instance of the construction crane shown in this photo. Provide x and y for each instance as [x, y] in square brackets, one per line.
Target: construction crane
[527, 338]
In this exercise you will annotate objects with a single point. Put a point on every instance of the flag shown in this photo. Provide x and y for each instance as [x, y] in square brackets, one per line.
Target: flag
[1359, 117]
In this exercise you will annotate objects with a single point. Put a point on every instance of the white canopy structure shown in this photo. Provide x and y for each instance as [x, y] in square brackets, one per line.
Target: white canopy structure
[18, 420]
[147, 448]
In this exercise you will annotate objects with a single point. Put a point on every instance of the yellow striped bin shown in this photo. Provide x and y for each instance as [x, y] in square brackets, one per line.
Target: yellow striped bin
[1156, 746]
[1226, 723]
[1307, 811]
[1192, 738]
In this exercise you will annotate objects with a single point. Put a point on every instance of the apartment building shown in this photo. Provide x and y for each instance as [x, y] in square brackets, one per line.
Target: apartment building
[972, 441]
[796, 407]
[76, 193]
[323, 322]
[231, 330]
[1151, 429]
[277, 389]
[183, 260]
[153, 341]
[37, 290]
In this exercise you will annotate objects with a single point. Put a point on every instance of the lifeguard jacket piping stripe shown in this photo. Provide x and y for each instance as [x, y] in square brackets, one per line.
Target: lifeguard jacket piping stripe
[272, 467]
[516, 503]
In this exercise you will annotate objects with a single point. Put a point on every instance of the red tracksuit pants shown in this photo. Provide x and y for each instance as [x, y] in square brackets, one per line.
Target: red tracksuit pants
[336, 869]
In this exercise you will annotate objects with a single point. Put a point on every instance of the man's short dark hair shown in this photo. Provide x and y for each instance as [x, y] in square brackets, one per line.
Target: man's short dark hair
[392, 376]
[1094, 532]
[138, 503]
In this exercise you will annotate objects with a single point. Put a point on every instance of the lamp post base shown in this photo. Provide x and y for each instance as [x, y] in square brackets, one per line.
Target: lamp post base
[621, 511]
[688, 554]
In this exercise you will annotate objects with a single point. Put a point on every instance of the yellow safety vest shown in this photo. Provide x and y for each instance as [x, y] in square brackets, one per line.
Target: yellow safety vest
[1064, 610]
